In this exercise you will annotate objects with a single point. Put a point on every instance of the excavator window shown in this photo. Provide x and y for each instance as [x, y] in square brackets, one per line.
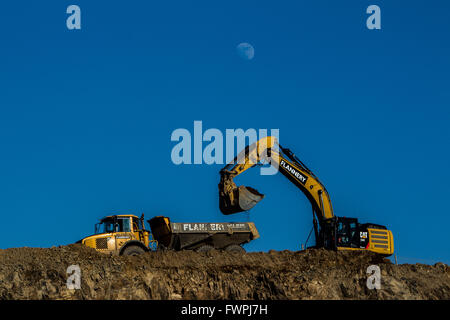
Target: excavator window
[342, 234]
[347, 233]
[352, 229]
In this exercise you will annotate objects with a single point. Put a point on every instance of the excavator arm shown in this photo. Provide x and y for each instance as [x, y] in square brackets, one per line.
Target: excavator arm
[233, 199]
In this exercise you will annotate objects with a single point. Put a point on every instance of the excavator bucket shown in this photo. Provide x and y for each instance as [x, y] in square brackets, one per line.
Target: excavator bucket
[240, 199]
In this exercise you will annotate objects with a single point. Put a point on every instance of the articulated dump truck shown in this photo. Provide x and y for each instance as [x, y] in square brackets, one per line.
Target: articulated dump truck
[126, 235]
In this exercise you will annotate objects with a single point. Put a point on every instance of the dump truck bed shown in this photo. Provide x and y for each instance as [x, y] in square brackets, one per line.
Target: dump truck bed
[194, 235]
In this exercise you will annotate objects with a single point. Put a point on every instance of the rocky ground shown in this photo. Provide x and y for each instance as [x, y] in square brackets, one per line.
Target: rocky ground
[40, 273]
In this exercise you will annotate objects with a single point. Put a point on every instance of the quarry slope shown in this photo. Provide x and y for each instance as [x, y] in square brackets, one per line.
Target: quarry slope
[40, 273]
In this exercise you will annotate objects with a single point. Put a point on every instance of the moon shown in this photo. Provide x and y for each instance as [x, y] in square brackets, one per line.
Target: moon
[245, 51]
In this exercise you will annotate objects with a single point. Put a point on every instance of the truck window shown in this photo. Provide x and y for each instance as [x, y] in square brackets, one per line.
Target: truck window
[105, 226]
[136, 224]
[123, 225]
[108, 226]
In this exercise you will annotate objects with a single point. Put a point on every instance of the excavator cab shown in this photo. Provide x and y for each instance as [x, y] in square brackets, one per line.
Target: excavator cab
[344, 233]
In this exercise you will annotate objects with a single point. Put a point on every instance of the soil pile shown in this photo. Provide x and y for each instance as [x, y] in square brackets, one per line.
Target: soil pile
[41, 273]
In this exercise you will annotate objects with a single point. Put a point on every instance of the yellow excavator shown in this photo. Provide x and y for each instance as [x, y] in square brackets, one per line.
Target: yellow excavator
[331, 232]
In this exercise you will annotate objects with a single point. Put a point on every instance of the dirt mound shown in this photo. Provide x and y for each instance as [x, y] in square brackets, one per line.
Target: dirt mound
[36, 273]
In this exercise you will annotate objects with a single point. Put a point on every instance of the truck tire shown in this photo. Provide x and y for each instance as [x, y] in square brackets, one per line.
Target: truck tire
[205, 248]
[133, 250]
[235, 248]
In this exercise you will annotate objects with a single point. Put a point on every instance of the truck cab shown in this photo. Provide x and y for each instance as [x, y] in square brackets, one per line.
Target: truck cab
[121, 235]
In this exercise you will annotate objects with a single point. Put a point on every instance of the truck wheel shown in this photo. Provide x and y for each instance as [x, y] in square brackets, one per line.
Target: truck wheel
[204, 248]
[235, 248]
[133, 251]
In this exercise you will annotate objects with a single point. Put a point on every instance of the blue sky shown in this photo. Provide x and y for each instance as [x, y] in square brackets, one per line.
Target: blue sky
[86, 115]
